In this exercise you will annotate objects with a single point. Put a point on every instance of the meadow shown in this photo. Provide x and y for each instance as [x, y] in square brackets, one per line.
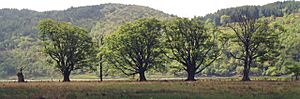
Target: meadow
[153, 89]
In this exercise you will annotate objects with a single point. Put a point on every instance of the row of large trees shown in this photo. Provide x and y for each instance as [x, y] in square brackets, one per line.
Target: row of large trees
[19, 43]
[150, 44]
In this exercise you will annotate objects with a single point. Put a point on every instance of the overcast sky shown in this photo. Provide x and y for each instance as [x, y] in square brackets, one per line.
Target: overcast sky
[183, 8]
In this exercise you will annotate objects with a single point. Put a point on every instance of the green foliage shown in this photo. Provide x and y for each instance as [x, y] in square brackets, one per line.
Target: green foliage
[192, 43]
[257, 41]
[293, 58]
[26, 56]
[18, 31]
[135, 47]
[295, 70]
[69, 46]
[19, 46]
[277, 9]
[225, 19]
[289, 39]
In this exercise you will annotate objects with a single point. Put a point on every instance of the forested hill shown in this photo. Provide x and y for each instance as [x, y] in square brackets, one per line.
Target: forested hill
[15, 22]
[277, 9]
[18, 32]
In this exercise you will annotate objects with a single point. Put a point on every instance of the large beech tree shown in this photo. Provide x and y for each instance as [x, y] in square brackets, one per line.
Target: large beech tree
[135, 47]
[257, 41]
[192, 43]
[69, 46]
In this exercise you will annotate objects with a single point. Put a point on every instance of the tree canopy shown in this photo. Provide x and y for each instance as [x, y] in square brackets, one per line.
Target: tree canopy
[135, 47]
[192, 43]
[69, 46]
[256, 39]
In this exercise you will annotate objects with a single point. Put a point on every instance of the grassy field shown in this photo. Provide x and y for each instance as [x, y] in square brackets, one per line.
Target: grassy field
[201, 89]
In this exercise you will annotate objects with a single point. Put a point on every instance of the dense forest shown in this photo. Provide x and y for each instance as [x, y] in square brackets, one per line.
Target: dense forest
[277, 9]
[117, 29]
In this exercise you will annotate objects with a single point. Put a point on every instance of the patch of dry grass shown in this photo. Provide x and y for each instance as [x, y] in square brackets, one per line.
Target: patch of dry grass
[152, 89]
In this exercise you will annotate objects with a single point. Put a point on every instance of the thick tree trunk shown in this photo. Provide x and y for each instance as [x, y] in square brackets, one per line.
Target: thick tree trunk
[142, 76]
[101, 76]
[191, 77]
[191, 74]
[66, 76]
[20, 76]
[247, 64]
[246, 74]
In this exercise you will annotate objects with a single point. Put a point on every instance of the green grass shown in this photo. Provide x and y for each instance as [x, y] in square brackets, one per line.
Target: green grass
[201, 89]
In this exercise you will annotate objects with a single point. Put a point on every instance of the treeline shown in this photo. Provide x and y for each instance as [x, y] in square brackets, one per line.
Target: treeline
[193, 45]
[248, 47]
[277, 9]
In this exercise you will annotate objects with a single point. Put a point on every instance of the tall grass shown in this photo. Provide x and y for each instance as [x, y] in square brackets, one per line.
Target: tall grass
[203, 89]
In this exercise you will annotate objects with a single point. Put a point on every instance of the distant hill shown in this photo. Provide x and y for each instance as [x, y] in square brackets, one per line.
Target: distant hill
[277, 9]
[15, 22]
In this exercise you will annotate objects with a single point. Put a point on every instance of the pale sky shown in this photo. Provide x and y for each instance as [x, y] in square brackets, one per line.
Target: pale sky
[182, 8]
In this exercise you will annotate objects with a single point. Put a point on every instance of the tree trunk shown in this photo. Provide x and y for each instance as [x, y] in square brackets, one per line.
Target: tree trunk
[191, 77]
[247, 64]
[101, 76]
[20, 76]
[191, 74]
[246, 74]
[66, 76]
[142, 76]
